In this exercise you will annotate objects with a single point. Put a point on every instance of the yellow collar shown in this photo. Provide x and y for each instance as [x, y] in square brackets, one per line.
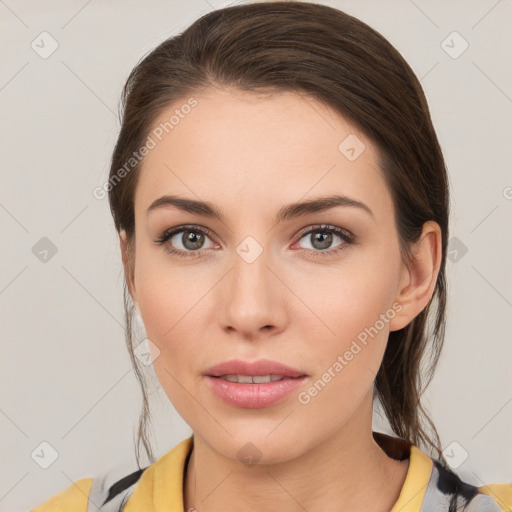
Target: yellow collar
[160, 487]
[416, 482]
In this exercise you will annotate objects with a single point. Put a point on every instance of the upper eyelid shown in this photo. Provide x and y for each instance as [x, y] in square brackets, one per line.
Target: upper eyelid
[190, 227]
[324, 227]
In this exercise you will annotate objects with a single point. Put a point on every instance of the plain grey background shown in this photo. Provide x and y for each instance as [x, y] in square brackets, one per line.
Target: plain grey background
[66, 375]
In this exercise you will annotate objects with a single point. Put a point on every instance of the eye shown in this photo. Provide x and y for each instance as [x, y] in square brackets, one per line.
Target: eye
[189, 241]
[321, 238]
[184, 241]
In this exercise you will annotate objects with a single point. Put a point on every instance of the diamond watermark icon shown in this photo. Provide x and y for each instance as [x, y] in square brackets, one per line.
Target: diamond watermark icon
[455, 455]
[249, 249]
[454, 45]
[44, 455]
[44, 45]
[456, 249]
[249, 454]
[352, 147]
[146, 352]
[44, 250]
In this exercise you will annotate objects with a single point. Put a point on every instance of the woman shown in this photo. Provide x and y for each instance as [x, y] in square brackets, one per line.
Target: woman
[282, 205]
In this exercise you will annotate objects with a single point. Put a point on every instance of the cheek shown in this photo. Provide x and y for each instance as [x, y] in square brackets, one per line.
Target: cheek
[167, 293]
[173, 324]
[173, 318]
[352, 298]
[353, 309]
[174, 308]
[347, 361]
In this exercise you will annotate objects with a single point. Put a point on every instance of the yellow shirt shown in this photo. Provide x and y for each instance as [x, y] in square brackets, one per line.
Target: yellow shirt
[159, 488]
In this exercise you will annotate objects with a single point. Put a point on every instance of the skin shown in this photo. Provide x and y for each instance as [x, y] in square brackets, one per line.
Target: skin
[250, 155]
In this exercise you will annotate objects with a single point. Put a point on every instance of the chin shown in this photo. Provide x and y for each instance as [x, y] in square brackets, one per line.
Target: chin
[258, 447]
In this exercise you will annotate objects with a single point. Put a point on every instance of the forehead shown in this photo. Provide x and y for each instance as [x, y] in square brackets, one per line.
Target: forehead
[257, 151]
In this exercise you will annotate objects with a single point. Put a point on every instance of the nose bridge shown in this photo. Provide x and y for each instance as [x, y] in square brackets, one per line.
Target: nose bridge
[249, 283]
[250, 297]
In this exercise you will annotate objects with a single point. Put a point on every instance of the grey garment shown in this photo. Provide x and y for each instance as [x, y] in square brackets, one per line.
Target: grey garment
[110, 491]
[446, 492]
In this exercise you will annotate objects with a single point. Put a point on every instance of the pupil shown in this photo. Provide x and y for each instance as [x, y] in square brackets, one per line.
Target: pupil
[194, 238]
[325, 240]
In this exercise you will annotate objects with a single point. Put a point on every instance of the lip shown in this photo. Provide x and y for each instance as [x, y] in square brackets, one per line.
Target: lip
[258, 368]
[254, 396]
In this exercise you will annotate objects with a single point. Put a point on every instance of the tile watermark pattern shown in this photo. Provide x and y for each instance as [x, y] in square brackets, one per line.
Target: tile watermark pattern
[53, 251]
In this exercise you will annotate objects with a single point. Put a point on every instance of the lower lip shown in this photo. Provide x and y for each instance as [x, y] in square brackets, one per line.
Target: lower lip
[254, 396]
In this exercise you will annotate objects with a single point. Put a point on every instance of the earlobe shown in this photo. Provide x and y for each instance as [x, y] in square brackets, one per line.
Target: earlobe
[127, 258]
[418, 280]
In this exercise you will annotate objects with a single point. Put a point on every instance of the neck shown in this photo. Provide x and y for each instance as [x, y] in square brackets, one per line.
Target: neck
[345, 472]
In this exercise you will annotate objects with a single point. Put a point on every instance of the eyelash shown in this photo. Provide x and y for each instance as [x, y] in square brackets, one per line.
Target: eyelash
[347, 237]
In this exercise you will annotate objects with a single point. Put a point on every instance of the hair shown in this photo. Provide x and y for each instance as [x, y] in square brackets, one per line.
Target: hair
[319, 51]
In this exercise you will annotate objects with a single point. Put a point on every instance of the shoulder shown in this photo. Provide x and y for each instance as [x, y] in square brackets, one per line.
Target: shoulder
[107, 492]
[500, 493]
[75, 498]
[127, 485]
[447, 491]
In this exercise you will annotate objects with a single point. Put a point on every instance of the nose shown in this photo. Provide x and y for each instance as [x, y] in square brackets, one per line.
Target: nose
[251, 300]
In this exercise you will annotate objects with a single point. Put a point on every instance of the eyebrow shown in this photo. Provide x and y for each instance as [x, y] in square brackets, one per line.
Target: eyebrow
[287, 212]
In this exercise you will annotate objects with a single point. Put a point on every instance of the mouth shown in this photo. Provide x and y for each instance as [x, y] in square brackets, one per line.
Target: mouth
[254, 391]
[252, 372]
[254, 379]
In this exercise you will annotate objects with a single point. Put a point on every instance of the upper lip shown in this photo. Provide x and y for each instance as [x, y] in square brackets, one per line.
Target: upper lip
[258, 368]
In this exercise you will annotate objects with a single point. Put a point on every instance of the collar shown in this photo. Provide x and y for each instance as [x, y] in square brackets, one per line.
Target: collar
[161, 485]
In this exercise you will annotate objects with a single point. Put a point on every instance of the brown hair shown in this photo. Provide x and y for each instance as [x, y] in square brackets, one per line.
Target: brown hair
[341, 61]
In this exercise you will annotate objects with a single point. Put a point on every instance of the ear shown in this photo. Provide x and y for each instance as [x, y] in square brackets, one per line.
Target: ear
[128, 257]
[418, 278]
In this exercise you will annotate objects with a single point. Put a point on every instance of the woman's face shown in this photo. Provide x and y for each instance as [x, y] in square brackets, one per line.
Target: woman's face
[258, 285]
